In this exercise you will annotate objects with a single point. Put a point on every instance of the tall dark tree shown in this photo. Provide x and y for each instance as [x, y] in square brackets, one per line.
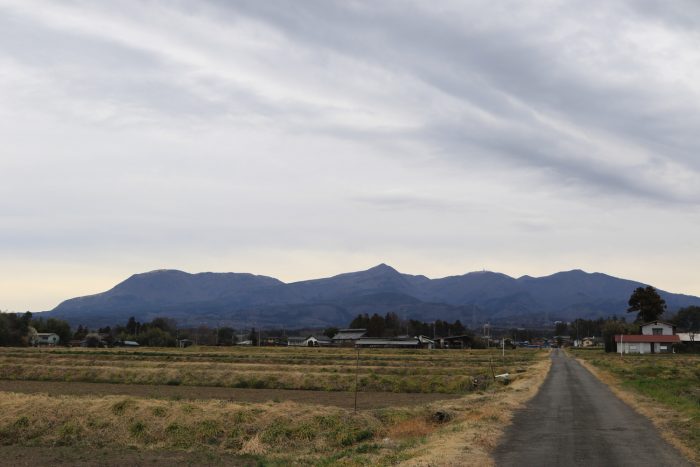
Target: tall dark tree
[561, 328]
[132, 326]
[225, 335]
[330, 332]
[360, 322]
[375, 327]
[612, 328]
[688, 319]
[647, 303]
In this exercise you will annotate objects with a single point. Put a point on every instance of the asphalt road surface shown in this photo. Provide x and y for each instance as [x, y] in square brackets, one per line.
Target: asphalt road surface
[575, 420]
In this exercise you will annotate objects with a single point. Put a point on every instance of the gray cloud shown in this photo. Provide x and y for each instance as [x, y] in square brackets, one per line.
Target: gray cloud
[325, 134]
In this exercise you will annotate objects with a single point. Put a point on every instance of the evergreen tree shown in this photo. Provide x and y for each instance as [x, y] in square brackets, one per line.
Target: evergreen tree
[647, 303]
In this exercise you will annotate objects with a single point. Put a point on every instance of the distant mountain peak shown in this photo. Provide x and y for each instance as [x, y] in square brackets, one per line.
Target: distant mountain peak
[383, 267]
[162, 271]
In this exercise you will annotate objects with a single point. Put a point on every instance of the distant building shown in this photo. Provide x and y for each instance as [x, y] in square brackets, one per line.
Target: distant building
[45, 338]
[273, 341]
[348, 337]
[318, 341]
[589, 342]
[375, 342]
[655, 337]
[296, 341]
[690, 341]
[405, 342]
[457, 342]
[690, 337]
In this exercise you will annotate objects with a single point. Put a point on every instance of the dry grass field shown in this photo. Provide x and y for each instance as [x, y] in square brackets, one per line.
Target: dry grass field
[325, 369]
[664, 387]
[424, 407]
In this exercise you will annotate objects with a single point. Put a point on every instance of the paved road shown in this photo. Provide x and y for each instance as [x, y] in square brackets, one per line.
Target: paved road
[575, 420]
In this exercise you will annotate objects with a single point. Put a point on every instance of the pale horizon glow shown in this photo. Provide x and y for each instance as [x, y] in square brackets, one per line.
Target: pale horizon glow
[303, 140]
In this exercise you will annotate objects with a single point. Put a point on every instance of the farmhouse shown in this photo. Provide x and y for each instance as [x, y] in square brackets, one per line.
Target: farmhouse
[348, 337]
[45, 338]
[655, 337]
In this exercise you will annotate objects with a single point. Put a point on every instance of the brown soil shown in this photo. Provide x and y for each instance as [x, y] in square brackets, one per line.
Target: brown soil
[365, 400]
[21, 456]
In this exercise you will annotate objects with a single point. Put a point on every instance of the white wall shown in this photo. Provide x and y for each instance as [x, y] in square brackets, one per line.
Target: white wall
[634, 347]
[647, 329]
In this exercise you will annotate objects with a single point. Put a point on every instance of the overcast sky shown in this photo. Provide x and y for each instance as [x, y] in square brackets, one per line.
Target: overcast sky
[301, 139]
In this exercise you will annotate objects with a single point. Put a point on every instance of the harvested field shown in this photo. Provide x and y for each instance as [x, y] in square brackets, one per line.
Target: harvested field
[230, 406]
[31, 456]
[365, 400]
[379, 370]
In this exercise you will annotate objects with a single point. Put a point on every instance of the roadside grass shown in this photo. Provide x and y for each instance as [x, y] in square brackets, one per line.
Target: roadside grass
[670, 382]
[277, 432]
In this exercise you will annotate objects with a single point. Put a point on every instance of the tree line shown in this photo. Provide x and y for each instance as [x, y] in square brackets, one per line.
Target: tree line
[15, 329]
[391, 325]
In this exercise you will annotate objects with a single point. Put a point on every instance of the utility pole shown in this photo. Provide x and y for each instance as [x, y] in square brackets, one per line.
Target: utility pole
[621, 346]
[357, 373]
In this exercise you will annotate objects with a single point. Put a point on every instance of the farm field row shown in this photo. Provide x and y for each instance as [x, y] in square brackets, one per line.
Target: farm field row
[436, 371]
[365, 400]
[264, 426]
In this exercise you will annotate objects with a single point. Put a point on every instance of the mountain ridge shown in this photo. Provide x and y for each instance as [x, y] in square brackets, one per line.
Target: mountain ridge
[242, 299]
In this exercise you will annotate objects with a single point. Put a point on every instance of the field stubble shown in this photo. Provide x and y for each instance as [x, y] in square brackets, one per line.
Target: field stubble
[274, 432]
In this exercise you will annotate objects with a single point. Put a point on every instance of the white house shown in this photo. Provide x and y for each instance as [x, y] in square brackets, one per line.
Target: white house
[45, 338]
[658, 328]
[655, 337]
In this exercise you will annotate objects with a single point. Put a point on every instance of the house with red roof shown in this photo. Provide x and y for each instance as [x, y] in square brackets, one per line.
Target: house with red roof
[655, 337]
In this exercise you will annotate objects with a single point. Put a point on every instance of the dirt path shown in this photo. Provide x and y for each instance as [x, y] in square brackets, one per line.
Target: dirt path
[576, 420]
[365, 400]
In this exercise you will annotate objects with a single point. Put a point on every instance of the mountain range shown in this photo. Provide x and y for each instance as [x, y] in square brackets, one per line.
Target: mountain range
[245, 300]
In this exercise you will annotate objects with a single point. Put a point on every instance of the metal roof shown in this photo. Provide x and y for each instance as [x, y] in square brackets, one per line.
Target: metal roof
[636, 338]
[397, 342]
[349, 334]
